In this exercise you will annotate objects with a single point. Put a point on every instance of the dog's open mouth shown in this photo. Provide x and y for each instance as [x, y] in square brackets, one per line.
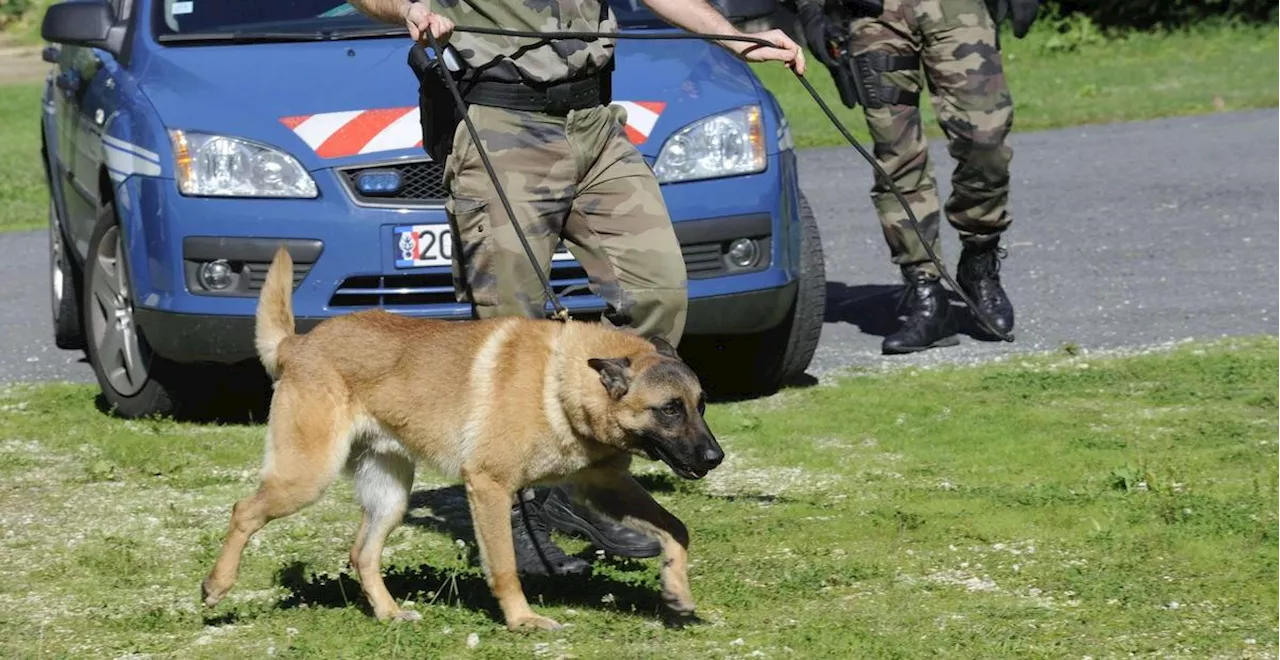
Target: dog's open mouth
[657, 452]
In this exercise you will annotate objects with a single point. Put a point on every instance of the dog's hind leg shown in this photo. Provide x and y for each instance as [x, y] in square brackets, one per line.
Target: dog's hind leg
[383, 479]
[305, 451]
[618, 495]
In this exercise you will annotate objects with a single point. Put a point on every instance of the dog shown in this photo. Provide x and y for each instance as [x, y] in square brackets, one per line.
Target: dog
[497, 404]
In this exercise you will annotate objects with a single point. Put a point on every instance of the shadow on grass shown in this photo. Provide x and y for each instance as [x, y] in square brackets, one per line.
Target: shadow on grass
[238, 394]
[470, 591]
[450, 515]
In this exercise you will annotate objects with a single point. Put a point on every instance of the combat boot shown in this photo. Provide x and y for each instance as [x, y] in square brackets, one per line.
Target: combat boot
[567, 516]
[978, 275]
[536, 552]
[928, 323]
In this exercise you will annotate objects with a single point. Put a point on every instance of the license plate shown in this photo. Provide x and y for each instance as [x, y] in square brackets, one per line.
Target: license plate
[419, 246]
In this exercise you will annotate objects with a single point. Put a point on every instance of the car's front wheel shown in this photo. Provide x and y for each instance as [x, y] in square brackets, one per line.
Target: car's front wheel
[759, 364]
[64, 281]
[134, 381]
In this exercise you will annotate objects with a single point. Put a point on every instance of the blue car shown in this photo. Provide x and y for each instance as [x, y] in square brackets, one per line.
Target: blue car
[185, 140]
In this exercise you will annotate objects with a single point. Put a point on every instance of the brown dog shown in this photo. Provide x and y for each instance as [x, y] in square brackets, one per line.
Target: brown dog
[498, 404]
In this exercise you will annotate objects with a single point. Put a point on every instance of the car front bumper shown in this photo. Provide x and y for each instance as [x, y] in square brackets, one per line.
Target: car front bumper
[186, 338]
[344, 261]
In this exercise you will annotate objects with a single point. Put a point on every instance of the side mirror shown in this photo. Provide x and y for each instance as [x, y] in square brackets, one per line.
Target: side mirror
[89, 23]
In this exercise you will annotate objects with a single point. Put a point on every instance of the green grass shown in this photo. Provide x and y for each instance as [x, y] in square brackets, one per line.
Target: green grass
[26, 30]
[1043, 507]
[1060, 80]
[24, 198]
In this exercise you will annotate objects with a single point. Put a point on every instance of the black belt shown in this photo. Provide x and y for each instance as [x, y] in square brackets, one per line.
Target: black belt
[555, 98]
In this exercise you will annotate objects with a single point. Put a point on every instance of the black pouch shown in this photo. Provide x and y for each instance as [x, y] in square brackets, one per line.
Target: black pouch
[439, 114]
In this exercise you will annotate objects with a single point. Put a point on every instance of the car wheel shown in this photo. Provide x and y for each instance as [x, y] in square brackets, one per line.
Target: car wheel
[68, 332]
[132, 378]
[759, 364]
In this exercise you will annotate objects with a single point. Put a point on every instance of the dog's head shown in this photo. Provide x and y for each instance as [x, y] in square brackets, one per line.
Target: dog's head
[658, 403]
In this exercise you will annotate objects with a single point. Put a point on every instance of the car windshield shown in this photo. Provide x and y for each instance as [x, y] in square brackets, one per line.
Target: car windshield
[176, 19]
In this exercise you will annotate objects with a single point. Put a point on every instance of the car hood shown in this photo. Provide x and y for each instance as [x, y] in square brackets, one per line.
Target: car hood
[336, 103]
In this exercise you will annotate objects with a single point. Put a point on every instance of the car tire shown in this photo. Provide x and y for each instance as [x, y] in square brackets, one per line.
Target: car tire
[64, 288]
[760, 364]
[134, 381]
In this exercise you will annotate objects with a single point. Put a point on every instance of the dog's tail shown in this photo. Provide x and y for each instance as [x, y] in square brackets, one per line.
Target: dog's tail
[274, 324]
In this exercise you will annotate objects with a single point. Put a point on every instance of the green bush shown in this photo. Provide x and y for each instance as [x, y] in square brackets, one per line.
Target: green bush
[11, 11]
[1145, 14]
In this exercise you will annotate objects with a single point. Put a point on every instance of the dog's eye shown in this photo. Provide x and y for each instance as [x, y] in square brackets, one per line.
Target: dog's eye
[672, 408]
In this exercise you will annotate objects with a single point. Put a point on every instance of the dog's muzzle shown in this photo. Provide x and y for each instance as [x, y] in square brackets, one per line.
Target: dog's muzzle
[704, 458]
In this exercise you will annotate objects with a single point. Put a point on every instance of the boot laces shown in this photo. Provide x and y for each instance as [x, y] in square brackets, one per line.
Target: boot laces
[911, 299]
[986, 264]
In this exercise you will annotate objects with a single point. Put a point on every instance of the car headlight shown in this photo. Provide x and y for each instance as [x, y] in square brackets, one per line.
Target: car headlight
[221, 166]
[725, 144]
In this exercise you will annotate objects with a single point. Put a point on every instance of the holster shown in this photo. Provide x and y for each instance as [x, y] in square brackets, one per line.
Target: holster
[865, 70]
[846, 81]
[439, 113]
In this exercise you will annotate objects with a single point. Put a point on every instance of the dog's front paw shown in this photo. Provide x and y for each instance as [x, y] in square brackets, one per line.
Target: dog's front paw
[533, 622]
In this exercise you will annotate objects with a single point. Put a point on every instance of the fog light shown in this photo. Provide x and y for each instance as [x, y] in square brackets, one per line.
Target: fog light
[215, 275]
[743, 252]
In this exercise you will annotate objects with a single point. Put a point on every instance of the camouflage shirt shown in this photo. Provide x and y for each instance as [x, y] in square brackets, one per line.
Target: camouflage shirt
[511, 59]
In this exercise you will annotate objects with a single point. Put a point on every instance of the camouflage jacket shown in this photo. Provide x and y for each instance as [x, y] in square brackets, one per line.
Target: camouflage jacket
[511, 59]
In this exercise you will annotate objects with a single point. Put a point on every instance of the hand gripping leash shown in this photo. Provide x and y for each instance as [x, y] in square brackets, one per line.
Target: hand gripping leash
[560, 312]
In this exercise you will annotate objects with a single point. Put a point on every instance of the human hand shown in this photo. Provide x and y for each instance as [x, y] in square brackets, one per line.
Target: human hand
[784, 49]
[419, 19]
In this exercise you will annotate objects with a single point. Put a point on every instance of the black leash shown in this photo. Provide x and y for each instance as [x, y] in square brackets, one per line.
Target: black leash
[560, 311]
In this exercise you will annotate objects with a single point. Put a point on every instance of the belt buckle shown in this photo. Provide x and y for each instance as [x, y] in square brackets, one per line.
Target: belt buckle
[558, 99]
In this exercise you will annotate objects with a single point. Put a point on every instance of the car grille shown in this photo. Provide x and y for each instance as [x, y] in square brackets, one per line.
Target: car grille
[702, 260]
[257, 274]
[423, 184]
[434, 288]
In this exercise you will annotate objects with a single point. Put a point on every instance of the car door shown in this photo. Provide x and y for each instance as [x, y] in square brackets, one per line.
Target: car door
[97, 98]
[67, 96]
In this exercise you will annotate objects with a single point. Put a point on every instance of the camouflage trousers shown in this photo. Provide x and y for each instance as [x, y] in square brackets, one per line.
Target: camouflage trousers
[964, 73]
[574, 178]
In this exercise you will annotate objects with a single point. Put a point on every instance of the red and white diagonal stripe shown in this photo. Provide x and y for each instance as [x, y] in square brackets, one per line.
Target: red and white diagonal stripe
[357, 132]
[339, 134]
[641, 118]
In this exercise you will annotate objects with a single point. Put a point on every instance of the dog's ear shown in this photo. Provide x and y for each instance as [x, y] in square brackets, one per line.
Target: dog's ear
[665, 349]
[615, 374]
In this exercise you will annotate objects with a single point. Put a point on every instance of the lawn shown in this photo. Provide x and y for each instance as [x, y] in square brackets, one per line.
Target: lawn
[24, 198]
[1059, 506]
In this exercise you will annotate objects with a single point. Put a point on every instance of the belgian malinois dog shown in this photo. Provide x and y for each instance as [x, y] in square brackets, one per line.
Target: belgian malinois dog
[498, 404]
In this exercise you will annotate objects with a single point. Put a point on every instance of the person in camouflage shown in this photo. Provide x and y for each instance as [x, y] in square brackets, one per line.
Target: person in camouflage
[956, 42]
[542, 112]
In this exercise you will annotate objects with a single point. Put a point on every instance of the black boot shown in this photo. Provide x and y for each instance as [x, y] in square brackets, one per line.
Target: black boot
[928, 323]
[567, 516]
[536, 553]
[978, 274]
